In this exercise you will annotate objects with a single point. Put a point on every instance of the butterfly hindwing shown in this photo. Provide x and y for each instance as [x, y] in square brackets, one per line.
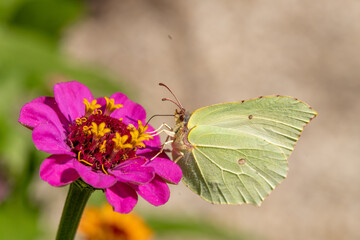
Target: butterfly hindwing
[239, 150]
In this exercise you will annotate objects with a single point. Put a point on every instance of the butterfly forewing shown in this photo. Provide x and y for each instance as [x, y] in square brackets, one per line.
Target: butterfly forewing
[276, 119]
[240, 149]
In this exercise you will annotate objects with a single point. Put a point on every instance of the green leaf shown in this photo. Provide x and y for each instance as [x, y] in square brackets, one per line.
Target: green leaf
[237, 152]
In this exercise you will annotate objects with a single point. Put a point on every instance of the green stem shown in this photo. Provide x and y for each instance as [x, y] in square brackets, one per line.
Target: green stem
[78, 195]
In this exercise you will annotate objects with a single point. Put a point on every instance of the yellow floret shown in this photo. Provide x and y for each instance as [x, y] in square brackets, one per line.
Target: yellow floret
[86, 130]
[80, 121]
[99, 130]
[91, 107]
[102, 148]
[139, 135]
[120, 142]
[110, 106]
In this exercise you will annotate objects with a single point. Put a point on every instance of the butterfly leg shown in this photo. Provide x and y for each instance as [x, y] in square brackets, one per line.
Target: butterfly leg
[161, 126]
[168, 130]
[162, 147]
[179, 157]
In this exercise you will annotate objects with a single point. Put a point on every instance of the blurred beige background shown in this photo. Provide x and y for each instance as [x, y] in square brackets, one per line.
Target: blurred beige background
[212, 51]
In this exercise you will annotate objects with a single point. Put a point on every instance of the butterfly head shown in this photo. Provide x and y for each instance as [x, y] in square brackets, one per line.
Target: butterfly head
[180, 114]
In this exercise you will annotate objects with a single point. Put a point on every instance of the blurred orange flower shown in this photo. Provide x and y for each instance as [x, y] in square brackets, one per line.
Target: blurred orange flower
[105, 224]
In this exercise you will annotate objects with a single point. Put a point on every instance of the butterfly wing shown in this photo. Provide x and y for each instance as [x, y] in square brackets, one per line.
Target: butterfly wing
[239, 150]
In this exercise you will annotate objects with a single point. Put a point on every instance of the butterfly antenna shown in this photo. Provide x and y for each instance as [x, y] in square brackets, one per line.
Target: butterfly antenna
[177, 103]
[170, 100]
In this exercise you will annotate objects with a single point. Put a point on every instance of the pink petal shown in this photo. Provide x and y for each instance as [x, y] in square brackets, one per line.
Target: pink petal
[96, 179]
[122, 197]
[155, 192]
[50, 101]
[69, 97]
[130, 112]
[133, 171]
[58, 170]
[166, 169]
[51, 139]
[102, 102]
[40, 110]
[148, 151]
[132, 162]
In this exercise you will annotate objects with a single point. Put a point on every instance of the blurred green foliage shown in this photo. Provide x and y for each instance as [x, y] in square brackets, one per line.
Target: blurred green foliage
[30, 63]
[190, 228]
[43, 17]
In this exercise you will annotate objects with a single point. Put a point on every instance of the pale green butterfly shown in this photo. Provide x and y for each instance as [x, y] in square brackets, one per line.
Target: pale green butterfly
[234, 153]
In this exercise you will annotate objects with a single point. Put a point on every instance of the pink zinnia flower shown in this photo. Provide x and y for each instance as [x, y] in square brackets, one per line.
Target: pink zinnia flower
[102, 141]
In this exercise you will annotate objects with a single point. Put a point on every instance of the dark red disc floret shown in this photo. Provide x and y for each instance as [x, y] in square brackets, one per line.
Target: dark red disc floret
[94, 152]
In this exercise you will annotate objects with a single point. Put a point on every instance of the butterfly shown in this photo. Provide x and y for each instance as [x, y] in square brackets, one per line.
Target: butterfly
[235, 153]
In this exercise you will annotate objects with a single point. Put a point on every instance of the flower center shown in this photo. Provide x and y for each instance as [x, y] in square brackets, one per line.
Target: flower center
[103, 142]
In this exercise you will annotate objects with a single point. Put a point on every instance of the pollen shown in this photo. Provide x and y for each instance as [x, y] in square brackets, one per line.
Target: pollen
[120, 142]
[111, 106]
[135, 139]
[102, 148]
[80, 121]
[82, 160]
[103, 169]
[138, 136]
[91, 107]
[142, 129]
[86, 130]
[103, 142]
[99, 130]
[97, 111]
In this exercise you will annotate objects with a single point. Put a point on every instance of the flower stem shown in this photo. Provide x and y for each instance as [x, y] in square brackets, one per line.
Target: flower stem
[78, 195]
